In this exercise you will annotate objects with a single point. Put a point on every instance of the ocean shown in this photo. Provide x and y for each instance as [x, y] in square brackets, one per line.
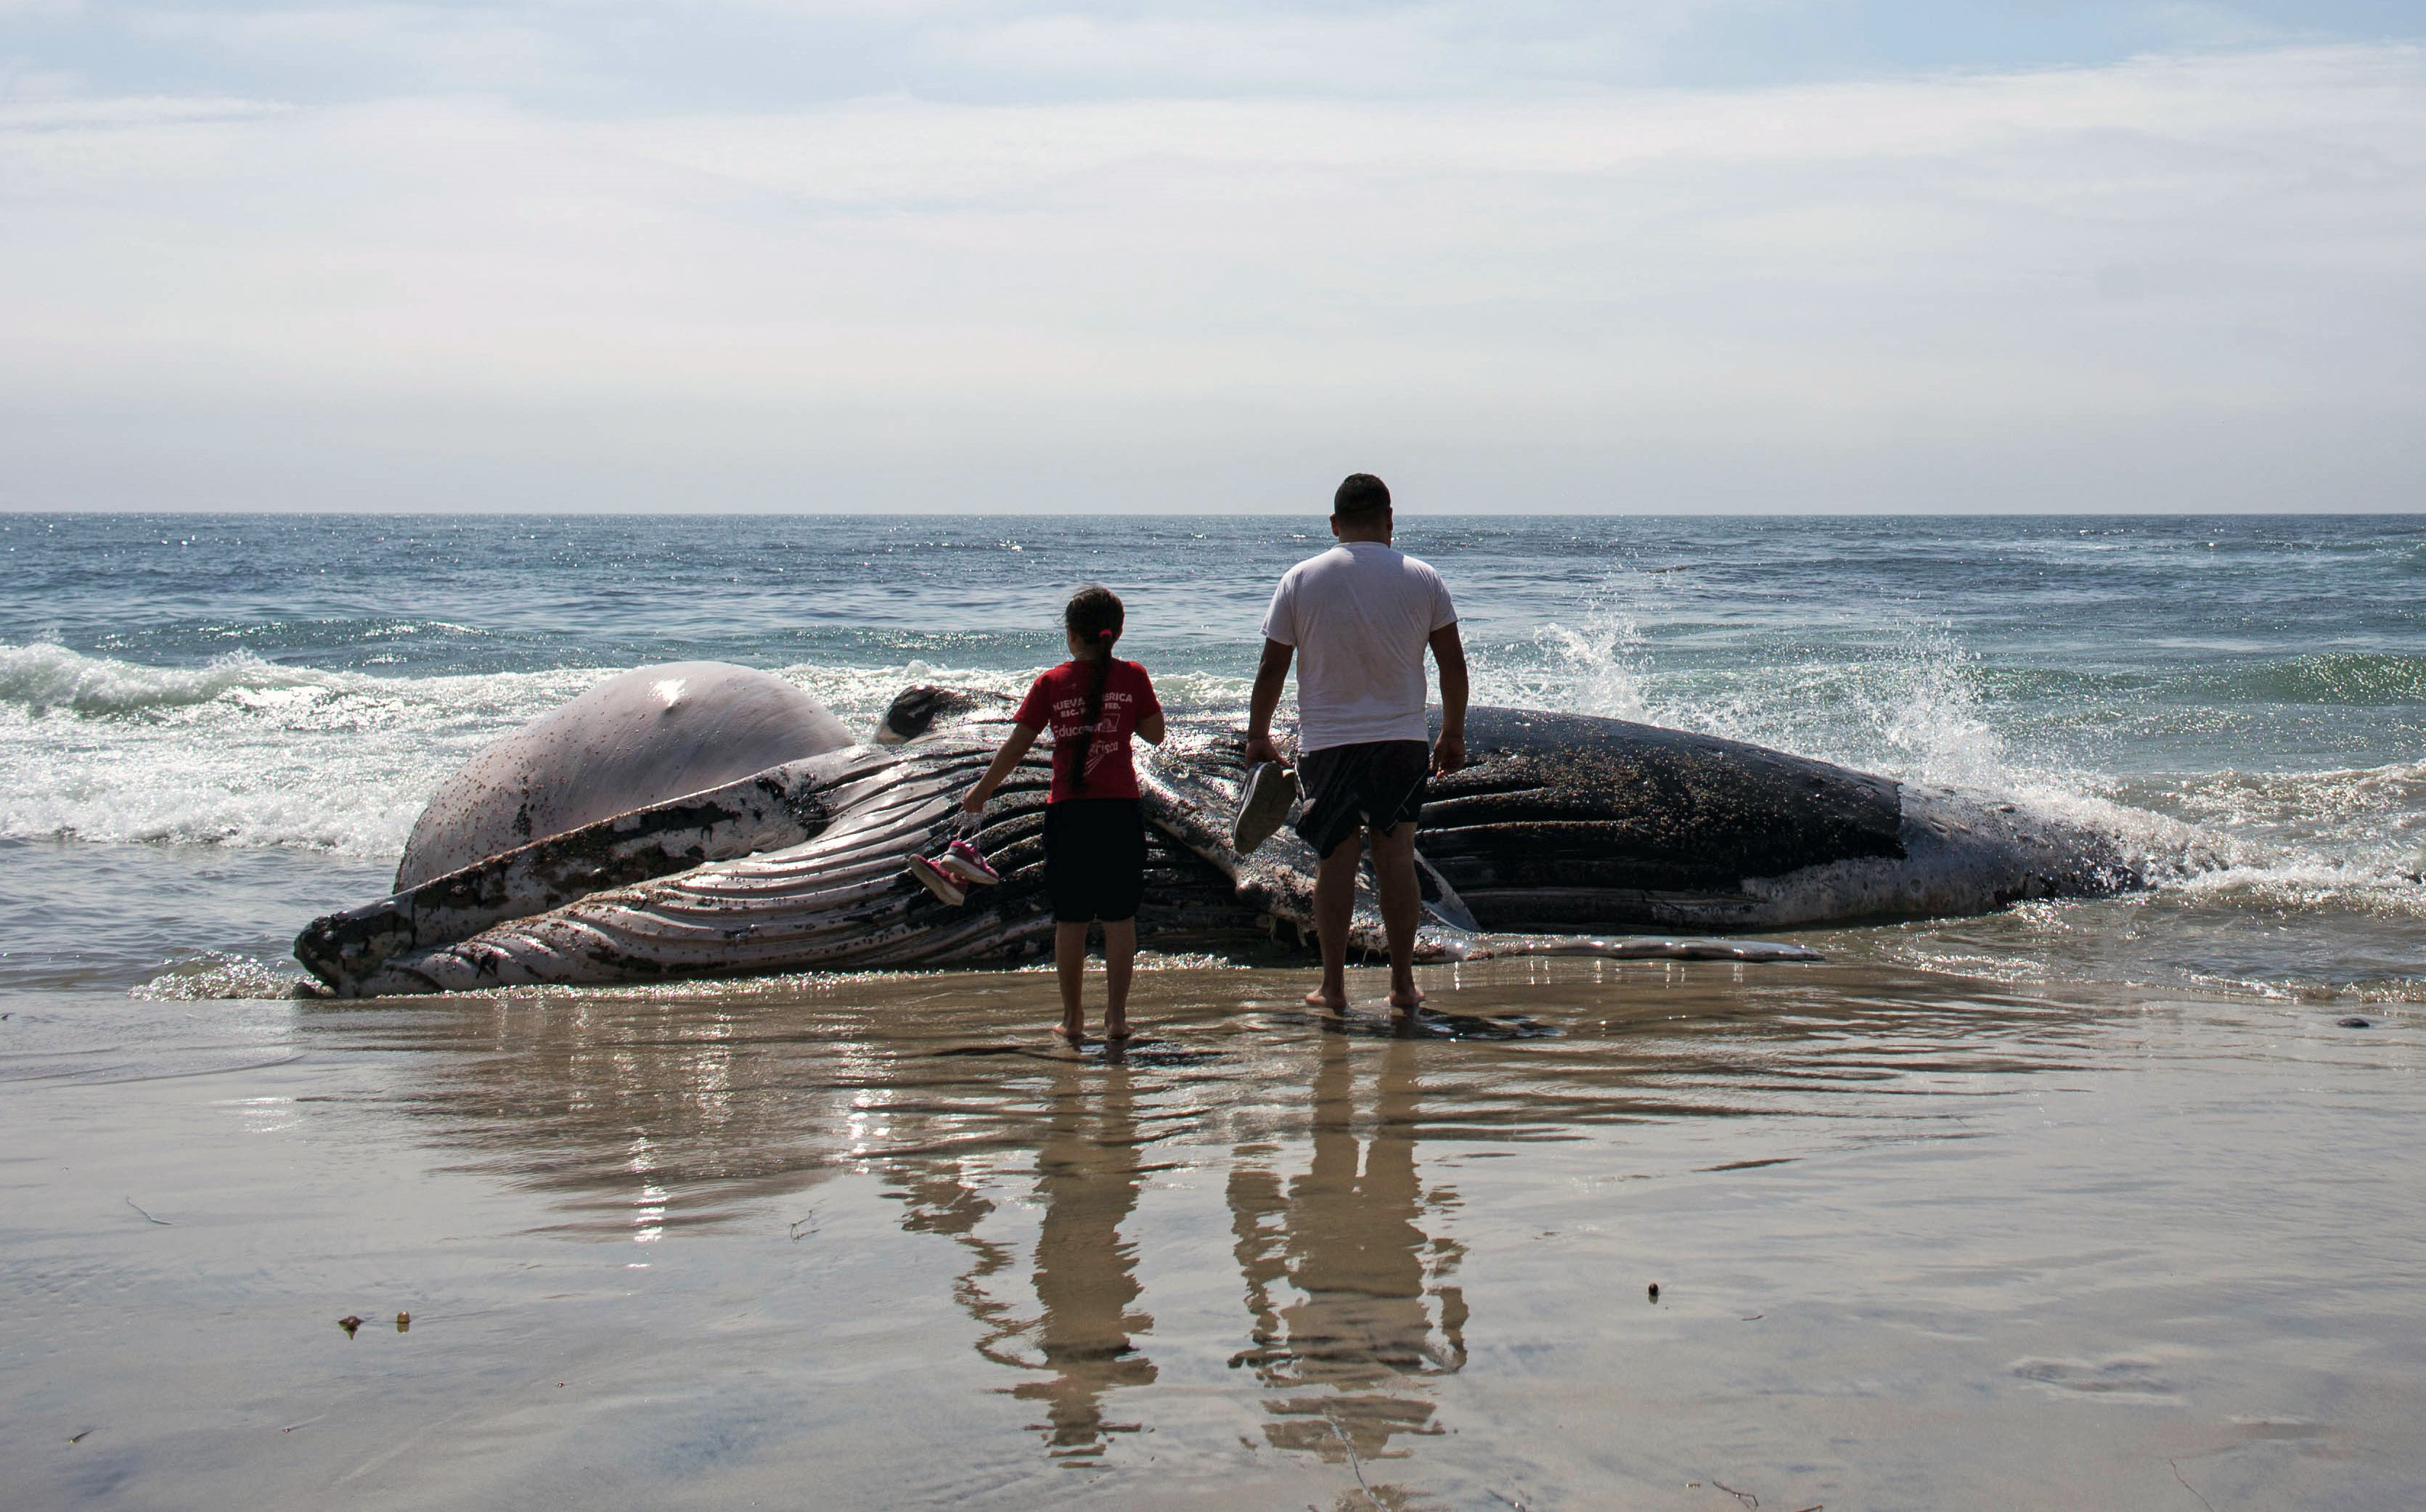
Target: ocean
[258, 699]
[2092, 1203]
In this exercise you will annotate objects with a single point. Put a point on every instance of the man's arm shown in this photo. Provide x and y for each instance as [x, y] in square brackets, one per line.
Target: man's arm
[1448, 651]
[1271, 676]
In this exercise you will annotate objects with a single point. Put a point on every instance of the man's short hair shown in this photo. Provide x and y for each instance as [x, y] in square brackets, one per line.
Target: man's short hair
[1361, 493]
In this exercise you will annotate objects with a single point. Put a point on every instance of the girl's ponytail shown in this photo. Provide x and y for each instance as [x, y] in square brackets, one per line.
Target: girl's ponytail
[1095, 616]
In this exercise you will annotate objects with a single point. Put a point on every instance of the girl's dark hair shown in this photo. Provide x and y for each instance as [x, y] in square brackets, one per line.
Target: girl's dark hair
[1095, 614]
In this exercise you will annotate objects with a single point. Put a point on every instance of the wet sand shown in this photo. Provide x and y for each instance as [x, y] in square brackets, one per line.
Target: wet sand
[1920, 1242]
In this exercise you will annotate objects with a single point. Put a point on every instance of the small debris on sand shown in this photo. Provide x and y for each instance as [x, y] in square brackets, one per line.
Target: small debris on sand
[350, 1322]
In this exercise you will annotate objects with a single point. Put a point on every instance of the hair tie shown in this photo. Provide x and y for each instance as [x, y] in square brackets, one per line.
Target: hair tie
[1103, 635]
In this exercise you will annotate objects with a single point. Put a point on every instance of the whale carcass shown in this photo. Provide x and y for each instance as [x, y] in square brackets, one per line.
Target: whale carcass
[1563, 830]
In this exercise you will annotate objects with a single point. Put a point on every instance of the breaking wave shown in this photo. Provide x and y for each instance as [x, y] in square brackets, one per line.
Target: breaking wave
[224, 977]
[1923, 711]
[244, 751]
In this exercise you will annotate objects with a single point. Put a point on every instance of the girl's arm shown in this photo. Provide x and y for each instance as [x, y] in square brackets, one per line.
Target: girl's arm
[1150, 723]
[1015, 745]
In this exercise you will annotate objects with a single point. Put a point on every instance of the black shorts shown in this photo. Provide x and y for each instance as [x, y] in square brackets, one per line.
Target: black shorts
[1094, 859]
[1379, 783]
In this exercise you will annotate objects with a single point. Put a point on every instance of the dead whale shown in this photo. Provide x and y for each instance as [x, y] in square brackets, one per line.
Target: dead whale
[1564, 830]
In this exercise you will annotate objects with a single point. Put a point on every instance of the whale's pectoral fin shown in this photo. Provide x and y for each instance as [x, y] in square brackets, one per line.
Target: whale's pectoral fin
[1441, 904]
[1440, 899]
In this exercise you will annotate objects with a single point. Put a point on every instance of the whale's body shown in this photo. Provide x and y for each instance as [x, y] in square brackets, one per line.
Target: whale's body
[1561, 829]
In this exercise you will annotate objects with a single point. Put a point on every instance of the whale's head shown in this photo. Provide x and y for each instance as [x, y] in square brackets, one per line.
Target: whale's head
[637, 739]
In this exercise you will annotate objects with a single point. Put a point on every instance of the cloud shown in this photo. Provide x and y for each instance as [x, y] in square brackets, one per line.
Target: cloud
[369, 46]
[2180, 281]
[626, 56]
[20, 79]
[35, 113]
[1352, 51]
[629, 57]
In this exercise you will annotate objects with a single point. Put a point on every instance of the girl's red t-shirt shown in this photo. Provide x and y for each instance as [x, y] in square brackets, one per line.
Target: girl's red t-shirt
[1058, 702]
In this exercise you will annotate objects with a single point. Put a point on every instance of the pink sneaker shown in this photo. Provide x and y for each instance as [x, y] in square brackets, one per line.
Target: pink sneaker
[961, 860]
[934, 878]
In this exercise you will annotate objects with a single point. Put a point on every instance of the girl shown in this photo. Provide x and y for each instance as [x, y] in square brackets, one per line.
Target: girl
[1094, 837]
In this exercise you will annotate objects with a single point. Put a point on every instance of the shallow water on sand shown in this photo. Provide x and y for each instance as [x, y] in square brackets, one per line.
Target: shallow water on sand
[1921, 1242]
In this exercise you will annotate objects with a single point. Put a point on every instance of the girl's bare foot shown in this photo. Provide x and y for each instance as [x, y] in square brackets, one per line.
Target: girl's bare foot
[1116, 1028]
[1074, 1032]
[1327, 1001]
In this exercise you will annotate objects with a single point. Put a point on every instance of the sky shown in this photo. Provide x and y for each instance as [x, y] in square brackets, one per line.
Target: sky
[1526, 255]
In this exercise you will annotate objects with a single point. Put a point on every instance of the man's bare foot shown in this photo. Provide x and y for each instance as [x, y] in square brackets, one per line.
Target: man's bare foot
[1407, 999]
[1327, 1001]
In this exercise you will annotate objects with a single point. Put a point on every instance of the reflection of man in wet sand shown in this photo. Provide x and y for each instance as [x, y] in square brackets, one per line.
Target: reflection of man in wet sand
[1358, 618]
[1350, 1244]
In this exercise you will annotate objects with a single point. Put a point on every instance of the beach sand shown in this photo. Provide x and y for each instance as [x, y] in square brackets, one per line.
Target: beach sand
[1920, 1242]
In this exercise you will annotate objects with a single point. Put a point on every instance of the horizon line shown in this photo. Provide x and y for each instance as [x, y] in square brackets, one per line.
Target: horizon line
[16, 512]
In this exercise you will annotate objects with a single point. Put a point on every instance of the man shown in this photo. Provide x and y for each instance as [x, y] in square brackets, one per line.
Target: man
[1360, 615]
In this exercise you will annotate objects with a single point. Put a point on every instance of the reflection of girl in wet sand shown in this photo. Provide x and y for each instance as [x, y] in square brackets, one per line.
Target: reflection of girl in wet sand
[1089, 1168]
[1094, 835]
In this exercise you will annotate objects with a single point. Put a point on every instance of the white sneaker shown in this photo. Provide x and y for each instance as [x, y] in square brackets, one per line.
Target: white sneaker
[1264, 807]
[935, 881]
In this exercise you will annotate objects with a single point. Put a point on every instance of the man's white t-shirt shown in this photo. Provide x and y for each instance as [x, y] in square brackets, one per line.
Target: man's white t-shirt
[1360, 615]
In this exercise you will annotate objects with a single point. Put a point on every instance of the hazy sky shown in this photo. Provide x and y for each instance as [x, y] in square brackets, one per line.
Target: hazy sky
[842, 254]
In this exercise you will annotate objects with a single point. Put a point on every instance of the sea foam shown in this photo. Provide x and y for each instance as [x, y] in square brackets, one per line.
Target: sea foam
[243, 752]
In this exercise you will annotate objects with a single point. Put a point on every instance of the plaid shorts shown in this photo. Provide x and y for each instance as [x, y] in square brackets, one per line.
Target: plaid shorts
[1379, 783]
